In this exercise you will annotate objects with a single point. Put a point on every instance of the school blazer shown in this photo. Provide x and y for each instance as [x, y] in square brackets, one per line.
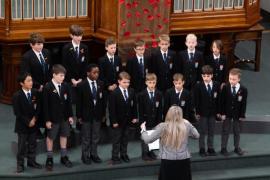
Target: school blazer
[137, 81]
[75, 66]
[56, 108]
[205, 104]
[88, 108]
[25, 110]
[150, 112]
[108, 72]
[219, 67]
[31, 64]
[233, 107]
[121, 111]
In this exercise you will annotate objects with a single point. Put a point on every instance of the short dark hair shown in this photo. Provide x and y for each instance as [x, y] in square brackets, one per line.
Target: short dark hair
[178, 76]
[218, 43]
[90, 67]
[22, 76]
[110, 41]
[36, 38]
[139, 43]
[235, 72]
[123, 75]
[206, 69]
[58, 68]
[76, 30]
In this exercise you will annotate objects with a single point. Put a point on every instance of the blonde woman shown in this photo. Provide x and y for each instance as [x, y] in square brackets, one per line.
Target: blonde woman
[174, 153]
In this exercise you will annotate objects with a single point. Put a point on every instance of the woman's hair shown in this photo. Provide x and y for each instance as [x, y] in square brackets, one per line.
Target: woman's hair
[175, 130]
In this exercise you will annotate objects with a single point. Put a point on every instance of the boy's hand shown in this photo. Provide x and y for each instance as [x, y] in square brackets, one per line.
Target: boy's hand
[223, 117]
[74, 82]
[70, 120]
[48, 124]
[143, 128]
[112, 87]
[134, 121]
[40, 88]
[115, 125]
[32, 122]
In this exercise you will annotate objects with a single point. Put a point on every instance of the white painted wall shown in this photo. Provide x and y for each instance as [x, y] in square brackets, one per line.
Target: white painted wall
[265, 4]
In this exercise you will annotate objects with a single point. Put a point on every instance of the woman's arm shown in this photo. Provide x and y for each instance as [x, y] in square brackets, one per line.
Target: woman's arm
[149, 138]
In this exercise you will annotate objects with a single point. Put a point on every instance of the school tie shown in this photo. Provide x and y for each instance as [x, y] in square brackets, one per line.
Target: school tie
[94, 90]
[191, 56]
[152, 96]
[125, 95]
[209, 89]
[111, 61]
[178, 96]
[43, 64]
[29, 97]
[165, 57]
[141, 67]
[233, 91]
[59, 90]
[77, 51]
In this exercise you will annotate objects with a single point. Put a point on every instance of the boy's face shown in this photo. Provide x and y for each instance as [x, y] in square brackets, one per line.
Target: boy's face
[76, 39]
[124, 83]
[164, 45]
[59, 78]
[191, 43]
[111, 49]
[178, 84]
[93, 74]
[207, 77]
[151, 85]
[27, 84]
[234, 79]
[215, 49]
[37, 47]
[139, 50]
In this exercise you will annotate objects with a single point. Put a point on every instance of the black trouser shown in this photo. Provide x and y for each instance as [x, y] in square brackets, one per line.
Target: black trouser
[90, 138]
[226, 126]
[120, 141]
[26, 146]
[207, 127]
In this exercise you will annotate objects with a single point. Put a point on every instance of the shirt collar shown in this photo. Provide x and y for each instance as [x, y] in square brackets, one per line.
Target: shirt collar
[150, 91]
[25, 92]
[189, 51]
[211, 84]
[75, 45]
[109, 56]
[139, 57]
[216, 57]
[90, 81]
[237, 86]
[162, 52]
[55, 84]
[178, 91]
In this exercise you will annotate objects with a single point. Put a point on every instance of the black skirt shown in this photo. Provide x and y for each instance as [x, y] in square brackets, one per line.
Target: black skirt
[175, 170]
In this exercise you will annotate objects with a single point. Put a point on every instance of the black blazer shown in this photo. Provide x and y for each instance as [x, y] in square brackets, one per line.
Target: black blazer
[120, 111]
[56, 108]
[150, 112]
[85, 107]
[108, 72]
[164, 71]
[206, 105]
[25, 111]
[31, 64]
[191, 69]
[137, 81]
[76, 67]
[233, 107]
[220, 67]
[184, 102]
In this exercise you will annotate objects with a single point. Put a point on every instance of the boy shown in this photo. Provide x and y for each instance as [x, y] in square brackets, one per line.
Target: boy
[179, 96]
[90, 110]
[206, 94]
[37, 62]
[75, 56]
[26, 108]
[57, 114]
[110, 66]
[191, 61]
[138, 66]
[150, 110]
[164, 63]
[218, 62]
[233, 108]
[123, 114]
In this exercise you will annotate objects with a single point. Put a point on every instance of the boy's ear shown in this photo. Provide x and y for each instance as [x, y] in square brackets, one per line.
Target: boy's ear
[21, 83]
[71, 36]
[106, 48]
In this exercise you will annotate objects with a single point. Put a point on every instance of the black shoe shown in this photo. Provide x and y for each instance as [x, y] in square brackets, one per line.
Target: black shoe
[152, 155]
[202, 152]
[96, 159]
[20, 168]
[125, 158]
[211, 152]
[49, 164]
[224, 152]
[78, 126]
[34, 164]
[66, 162]
[116, 160]
[86, 160]
[239, 151]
